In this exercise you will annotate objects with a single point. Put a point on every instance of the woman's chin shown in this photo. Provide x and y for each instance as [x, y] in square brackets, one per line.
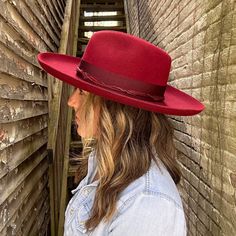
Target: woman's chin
[78, 132]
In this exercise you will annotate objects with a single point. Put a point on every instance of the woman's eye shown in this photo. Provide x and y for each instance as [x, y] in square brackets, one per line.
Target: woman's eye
[81, 91]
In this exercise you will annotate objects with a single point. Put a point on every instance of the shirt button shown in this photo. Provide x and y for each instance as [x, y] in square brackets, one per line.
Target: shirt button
[86, 192]
[71, 211]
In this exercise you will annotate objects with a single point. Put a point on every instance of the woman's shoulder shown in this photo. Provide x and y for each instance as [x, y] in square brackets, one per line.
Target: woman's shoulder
[155, 184]
[150, 205]
[149, 214]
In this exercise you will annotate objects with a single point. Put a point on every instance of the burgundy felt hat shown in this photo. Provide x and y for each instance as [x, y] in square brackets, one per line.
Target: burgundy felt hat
[124, 68]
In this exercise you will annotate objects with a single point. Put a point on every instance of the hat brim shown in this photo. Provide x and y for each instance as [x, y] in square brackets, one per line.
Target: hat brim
[63, 67]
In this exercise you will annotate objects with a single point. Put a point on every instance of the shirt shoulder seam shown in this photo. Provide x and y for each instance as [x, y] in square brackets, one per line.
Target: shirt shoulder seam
[151, 193]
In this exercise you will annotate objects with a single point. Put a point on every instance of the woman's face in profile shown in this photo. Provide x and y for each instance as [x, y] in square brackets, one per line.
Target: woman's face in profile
[75, 101]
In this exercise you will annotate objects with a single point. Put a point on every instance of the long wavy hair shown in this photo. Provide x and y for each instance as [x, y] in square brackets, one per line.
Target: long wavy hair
[127, 137]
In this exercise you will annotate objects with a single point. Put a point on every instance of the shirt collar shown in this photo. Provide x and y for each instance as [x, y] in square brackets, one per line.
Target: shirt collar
[92, 165]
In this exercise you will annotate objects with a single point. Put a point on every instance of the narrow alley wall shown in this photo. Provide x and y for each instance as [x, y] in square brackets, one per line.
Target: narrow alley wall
[200, 37]
[26, 28]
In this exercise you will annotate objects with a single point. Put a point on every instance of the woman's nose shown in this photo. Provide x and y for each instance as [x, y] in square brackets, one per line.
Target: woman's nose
[72, 101]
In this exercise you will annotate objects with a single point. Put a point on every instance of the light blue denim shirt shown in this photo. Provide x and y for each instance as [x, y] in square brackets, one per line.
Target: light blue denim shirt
[149, 206]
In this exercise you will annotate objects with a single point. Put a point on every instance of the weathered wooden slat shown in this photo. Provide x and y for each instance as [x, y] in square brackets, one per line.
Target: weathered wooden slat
[13, 88]
[13, 40]
[40, 215]
[21, 151]
[27, 28]
[98, 28]
[37, 10]
[42, 5]
[29, 17]
[44, 227]
[55, 91]
[17, 219]
[102, 1]
[57, 18]
[74, 162]
[103, 18]
[65, 172]
[34, 183]
[76, 144]
[58, 8]
[97, 7]
[27, 216]
[11, 181]
[15, 66]
[14, 110]
[21, 129]
[83, 40]
[72, 170]
[63, 194]
[61, 6]
[33, 221]
[64, 3]
[10, 14]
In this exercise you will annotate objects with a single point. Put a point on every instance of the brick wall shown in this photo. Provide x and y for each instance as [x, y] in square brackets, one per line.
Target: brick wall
[200, 37]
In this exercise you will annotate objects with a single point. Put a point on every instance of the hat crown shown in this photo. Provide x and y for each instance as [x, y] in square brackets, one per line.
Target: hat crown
[129, 56]
[125, 69]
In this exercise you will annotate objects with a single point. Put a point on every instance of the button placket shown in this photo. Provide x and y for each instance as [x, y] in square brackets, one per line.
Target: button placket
[72, 211]
[81, 220]
[83, 215]
[86, 191]
[74, 205]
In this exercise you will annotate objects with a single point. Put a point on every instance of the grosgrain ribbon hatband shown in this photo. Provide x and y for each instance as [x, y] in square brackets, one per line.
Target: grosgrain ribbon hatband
[112, 81]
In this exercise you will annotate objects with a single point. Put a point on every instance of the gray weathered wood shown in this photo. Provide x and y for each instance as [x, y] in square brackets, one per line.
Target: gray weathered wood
[27, 28]
[42, 5]
[103, 1]
[36, 8]
[14, 110]
[57, 18]
[102, 18]
[21, 151]
[12, 17]
[13, 65]
[15, 178]
[21, 130]
[90, 7]
[14, 221]
[9, 208]
[98, 28]
[16, 89]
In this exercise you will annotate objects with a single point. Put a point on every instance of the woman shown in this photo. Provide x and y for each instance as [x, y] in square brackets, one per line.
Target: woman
[120, 100]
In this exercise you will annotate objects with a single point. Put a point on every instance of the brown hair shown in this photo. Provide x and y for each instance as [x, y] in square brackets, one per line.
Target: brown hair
[124, 148]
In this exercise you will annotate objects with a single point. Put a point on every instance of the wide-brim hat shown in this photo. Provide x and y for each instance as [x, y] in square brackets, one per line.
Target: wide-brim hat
[126, 69]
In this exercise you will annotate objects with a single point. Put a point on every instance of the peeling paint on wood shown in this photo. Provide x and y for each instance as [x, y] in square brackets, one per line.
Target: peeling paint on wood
[21, 151]
[13, 88]
[14, 110]
[13, 65]
[21, 130]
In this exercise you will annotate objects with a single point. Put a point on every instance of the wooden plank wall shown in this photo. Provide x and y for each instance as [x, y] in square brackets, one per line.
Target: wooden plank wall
[61, 115]
[26, 28]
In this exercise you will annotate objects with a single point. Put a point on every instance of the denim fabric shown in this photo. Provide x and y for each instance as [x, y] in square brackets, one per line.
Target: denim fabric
[150, 205]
